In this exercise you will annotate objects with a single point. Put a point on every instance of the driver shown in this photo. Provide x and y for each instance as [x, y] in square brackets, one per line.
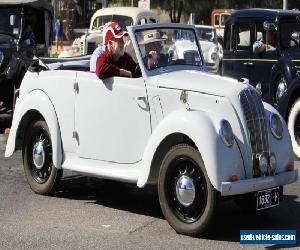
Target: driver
[114, 61]
[153, 42]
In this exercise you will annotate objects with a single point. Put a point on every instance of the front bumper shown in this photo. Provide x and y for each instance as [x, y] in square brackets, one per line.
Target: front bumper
[259, 183]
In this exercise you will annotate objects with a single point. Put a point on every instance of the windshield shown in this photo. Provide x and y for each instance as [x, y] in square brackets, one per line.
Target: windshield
[5, 17]
[290, 34]
[123, 21]
[207, 34]
[167, 47]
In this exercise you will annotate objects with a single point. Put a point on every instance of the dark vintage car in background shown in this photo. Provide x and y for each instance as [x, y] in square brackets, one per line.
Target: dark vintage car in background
[25, 31]
[274, 72]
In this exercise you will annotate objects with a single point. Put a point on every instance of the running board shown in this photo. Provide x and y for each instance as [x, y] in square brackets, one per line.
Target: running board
[107, 170]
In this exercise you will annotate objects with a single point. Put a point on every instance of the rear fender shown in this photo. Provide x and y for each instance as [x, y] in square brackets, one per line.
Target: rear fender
[38, 101]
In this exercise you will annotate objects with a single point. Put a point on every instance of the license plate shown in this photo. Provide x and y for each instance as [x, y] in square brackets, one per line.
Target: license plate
[267, 198]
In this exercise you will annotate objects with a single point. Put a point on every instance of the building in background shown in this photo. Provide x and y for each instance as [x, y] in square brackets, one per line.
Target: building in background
[76, 13]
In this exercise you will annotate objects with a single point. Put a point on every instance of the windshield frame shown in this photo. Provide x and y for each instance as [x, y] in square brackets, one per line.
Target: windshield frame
[157, 71]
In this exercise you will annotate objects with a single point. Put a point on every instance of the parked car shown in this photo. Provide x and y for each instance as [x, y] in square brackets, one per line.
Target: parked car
[218, 19]
[212, 53]
[199, 137]
[275, 71]
[25, 31]
[124, 16]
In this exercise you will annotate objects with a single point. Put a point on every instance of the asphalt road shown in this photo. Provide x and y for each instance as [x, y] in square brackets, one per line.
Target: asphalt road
[96, 214]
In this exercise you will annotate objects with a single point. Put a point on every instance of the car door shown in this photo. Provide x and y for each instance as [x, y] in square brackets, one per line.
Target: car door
[237, 52]
[112, 118]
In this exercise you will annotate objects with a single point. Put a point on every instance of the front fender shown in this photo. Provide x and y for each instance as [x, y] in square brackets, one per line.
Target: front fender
[39, 101]
[283, 147]
[288, 69]
[220, 161]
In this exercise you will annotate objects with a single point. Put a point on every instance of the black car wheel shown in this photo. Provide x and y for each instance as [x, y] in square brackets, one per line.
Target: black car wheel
[294, 127]
[40, 172]
[187, 198]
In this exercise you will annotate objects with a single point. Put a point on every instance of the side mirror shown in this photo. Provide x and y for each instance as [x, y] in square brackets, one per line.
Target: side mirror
[12, 20]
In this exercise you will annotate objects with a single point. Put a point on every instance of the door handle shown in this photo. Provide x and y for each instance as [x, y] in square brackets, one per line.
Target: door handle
[140, 98]
[76, 87]
[248, 64]
[143, 99]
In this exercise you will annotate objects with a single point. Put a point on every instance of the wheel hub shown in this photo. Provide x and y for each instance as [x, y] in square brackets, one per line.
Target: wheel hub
[281, 88]
[38, 155]
[185, 190]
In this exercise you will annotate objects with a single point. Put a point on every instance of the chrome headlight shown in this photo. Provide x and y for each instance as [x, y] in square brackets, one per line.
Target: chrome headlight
[226, 133]
[1, 57]
[263, 163]
[214, 56]
[276, 126]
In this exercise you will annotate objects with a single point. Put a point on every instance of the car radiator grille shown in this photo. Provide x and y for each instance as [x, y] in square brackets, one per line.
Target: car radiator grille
[90, 48]
[256, 121]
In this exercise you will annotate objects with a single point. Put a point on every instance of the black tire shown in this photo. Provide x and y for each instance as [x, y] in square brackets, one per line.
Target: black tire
[42, 176]
[191, 216]
[294, 127]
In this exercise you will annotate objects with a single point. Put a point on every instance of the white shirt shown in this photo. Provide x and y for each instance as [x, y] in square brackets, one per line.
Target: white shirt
[97, 52]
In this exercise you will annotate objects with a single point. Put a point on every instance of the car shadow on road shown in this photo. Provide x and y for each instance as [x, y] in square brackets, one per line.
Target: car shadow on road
[229, 219]
[111, 194]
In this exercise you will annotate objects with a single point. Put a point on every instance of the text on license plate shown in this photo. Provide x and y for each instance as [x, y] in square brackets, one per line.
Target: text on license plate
[267, 198]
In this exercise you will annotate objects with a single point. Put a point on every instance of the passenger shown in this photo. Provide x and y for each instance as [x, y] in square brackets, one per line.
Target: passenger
[269, 44]
[98, 51]
[114, 61]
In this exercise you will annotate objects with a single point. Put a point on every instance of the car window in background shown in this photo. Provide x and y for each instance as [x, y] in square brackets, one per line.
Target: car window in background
[224, 18]
[243, 36]
[123, 21]
[290, 34]
[259, 31]
[217, 20]
[207, 34]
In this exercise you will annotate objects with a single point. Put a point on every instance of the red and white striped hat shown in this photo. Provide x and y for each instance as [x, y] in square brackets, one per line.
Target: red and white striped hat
[114, 30]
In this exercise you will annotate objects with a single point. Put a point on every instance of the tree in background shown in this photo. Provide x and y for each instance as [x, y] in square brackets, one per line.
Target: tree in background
[203, 8]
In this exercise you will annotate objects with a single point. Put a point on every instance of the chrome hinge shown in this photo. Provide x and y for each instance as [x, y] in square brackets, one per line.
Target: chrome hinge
[76, 87]
[76, 136]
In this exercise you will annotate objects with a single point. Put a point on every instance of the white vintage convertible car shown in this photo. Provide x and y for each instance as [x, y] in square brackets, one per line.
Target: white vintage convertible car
[198, 137]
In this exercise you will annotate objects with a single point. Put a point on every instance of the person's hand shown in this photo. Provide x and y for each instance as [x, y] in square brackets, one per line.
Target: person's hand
[152, 58]
[125, 73]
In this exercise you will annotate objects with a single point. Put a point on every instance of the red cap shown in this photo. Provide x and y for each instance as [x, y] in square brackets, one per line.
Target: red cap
[114, 30]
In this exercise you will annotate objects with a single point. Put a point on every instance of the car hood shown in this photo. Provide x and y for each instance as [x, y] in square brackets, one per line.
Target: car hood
[198, 81]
